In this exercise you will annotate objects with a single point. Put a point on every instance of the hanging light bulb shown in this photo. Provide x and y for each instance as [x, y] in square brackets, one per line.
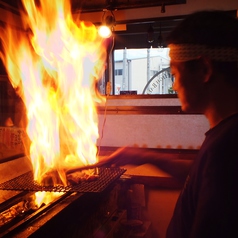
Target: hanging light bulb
[108, 23]
[104, 31]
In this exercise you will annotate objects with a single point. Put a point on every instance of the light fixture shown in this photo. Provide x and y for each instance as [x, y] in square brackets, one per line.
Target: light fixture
[108, 23]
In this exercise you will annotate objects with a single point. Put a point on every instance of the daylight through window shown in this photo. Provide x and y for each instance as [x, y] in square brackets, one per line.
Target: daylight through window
[142, 71]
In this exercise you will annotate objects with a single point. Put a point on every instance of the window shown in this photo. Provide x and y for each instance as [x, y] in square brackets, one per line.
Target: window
[142, 71]
[118, 72]
[138, 61]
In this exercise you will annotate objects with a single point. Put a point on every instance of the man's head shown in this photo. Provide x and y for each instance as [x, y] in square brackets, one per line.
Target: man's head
[203, 50]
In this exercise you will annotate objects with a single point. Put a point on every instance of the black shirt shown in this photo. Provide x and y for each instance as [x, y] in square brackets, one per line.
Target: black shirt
[208, 203]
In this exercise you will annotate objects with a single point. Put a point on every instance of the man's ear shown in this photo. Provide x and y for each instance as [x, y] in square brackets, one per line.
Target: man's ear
[207, 68]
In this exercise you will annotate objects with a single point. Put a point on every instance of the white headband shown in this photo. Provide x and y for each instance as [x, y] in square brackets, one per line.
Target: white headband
[186, 52]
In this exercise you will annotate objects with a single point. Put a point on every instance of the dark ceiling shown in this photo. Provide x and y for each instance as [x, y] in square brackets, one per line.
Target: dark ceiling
[135, 34]
[99, 5]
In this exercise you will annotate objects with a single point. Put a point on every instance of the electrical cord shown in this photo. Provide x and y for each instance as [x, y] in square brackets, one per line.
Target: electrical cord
[108, 91]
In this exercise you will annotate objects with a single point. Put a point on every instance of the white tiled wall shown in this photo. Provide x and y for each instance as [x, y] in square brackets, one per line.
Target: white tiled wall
[153, 131]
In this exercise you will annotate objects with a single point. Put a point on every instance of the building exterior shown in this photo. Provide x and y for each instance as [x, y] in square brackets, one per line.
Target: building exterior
[142, 71]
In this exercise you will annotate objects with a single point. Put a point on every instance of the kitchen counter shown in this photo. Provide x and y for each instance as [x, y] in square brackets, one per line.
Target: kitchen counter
[150, 175]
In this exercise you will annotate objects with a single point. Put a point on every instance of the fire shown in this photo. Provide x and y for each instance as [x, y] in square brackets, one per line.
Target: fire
[45, 198]
[54, 63]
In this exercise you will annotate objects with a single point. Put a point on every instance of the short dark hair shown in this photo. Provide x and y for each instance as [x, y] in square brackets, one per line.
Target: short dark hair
[211, 28]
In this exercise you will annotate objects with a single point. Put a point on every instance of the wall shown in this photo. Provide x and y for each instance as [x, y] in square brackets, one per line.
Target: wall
[176, 131]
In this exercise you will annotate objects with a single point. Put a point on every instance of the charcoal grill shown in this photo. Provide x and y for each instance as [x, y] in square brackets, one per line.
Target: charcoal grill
[25, 182]
[81, 209]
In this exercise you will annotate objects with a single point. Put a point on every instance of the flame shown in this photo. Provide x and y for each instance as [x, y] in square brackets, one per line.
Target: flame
[45, 197]
[54, 64]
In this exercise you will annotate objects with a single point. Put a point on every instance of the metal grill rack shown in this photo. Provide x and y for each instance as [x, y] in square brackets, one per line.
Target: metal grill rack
[25, 182]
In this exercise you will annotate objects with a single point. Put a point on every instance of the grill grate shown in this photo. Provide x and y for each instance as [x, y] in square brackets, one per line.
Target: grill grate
[25, 182]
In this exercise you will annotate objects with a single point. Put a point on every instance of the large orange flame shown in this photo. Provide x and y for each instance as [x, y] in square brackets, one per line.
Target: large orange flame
[54, 62]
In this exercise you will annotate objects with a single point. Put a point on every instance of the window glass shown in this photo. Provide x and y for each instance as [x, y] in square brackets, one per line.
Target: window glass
[142, 71]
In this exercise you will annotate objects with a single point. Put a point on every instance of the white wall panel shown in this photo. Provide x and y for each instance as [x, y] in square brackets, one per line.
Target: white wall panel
[153, 131]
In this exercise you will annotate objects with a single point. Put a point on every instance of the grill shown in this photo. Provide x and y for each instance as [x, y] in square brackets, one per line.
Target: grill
[84, 208]
[25, 182]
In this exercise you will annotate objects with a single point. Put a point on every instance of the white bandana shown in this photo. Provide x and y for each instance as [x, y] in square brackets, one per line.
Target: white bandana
[186, 52]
